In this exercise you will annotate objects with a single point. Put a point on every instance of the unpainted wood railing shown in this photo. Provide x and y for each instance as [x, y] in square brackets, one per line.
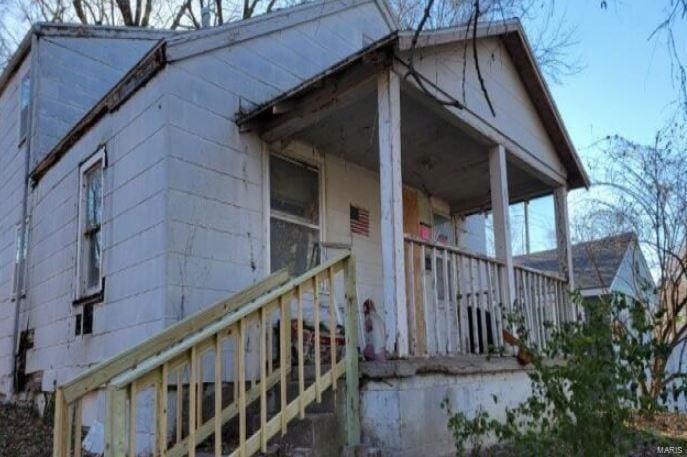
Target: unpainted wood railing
[176, 362]
[456, 305]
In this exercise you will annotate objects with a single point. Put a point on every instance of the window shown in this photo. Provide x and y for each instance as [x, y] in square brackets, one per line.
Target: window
[294, 215]
[24, 104]
[83, 322]
[89, 266]
[443, 230]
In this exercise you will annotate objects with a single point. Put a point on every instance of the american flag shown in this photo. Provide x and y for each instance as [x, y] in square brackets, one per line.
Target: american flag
[360, 221]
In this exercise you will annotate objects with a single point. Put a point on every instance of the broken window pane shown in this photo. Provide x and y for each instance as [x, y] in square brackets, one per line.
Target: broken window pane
[94, 197]
[294, 190]
[93, 259]
[293, 246]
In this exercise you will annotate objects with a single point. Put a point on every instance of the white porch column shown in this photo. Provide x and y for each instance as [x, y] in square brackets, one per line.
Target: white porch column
[560, 199]
[499, 206]
[393, 268]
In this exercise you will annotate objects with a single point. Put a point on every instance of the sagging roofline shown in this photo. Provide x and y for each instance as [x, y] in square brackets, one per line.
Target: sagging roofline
[173, 48]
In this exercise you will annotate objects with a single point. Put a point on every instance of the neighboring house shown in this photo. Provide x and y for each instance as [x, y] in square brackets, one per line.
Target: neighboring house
[221, 155]
[602, 267]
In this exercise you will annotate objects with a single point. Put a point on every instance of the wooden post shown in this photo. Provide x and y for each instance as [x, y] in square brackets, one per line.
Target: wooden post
[60, 432]
[115, 440]
[563, 243]
[352, 386]
[161, 414]
[391, 192]
[498, 178]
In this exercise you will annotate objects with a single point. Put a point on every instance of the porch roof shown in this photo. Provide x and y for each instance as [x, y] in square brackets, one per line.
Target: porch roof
[336, 110]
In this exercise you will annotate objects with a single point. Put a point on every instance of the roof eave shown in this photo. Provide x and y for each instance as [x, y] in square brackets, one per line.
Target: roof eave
[17, 59]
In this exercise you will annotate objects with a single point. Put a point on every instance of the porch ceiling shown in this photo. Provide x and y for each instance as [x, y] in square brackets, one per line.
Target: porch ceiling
[336, 112]
[437, 157]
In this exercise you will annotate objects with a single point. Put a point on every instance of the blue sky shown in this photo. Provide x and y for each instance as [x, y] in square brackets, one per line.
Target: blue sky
[625, 86]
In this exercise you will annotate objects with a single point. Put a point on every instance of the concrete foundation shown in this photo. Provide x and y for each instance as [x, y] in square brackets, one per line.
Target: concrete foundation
[401, 400]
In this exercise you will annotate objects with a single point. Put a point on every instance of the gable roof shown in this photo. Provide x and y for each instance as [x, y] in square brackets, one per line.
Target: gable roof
[511, 32]
[77, 31]
[186, 44]
[595, 263]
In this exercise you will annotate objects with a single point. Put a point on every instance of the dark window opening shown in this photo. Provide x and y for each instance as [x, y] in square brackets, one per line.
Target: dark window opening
[83, 322]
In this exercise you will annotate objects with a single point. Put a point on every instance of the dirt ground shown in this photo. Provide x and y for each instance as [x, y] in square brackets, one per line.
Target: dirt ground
[23, 433]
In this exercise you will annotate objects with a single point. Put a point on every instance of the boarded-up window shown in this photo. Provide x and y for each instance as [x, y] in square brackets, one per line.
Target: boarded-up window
[24, 103]
[294, 215]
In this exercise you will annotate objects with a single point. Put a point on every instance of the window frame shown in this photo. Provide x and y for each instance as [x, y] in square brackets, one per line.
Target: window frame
[314, 164]
[83, 292]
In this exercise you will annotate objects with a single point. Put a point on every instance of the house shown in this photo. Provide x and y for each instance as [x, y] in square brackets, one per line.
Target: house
[605, 266]
[305, 138]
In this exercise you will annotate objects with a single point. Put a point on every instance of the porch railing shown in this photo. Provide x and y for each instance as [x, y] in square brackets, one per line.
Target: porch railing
[543, 301]
[456, 300]
[173, 369]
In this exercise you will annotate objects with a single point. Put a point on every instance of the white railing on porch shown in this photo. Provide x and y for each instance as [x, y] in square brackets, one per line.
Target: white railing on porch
[543, 301]
[169, 368]
[456, 305]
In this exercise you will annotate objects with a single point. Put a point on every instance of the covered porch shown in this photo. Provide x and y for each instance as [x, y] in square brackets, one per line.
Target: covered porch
[437, 164]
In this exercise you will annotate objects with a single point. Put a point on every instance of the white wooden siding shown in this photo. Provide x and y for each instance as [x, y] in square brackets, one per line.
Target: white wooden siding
[516, 116]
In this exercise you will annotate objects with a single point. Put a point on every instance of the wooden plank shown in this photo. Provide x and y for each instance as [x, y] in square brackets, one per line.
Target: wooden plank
[498, 176]
[70, 429]
[94, 377]
[352, 374]
[435, 301]
[473, 303]
[263, 381]
[218, 393]
[180, 403]
[116, 444]
[316, 317]
[332, 321]
[421, 302]
[391, 197]
[241, 353]
[283, 360]
[447, 304]
[133, 395]
[456, 298]
[192, 403]
[490, 302]
[60, 424]
[161, 413]
[200, 386]
[181, 449]
[411, 212]
[207, 333]
[410, 295]
[78, 424]
[299, 336]
[482, 300]
[563, 243]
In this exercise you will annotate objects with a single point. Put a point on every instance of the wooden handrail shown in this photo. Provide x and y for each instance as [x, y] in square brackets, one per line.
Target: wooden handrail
[454, 249]
[182, 348]
[94, 377]
[546, 274]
